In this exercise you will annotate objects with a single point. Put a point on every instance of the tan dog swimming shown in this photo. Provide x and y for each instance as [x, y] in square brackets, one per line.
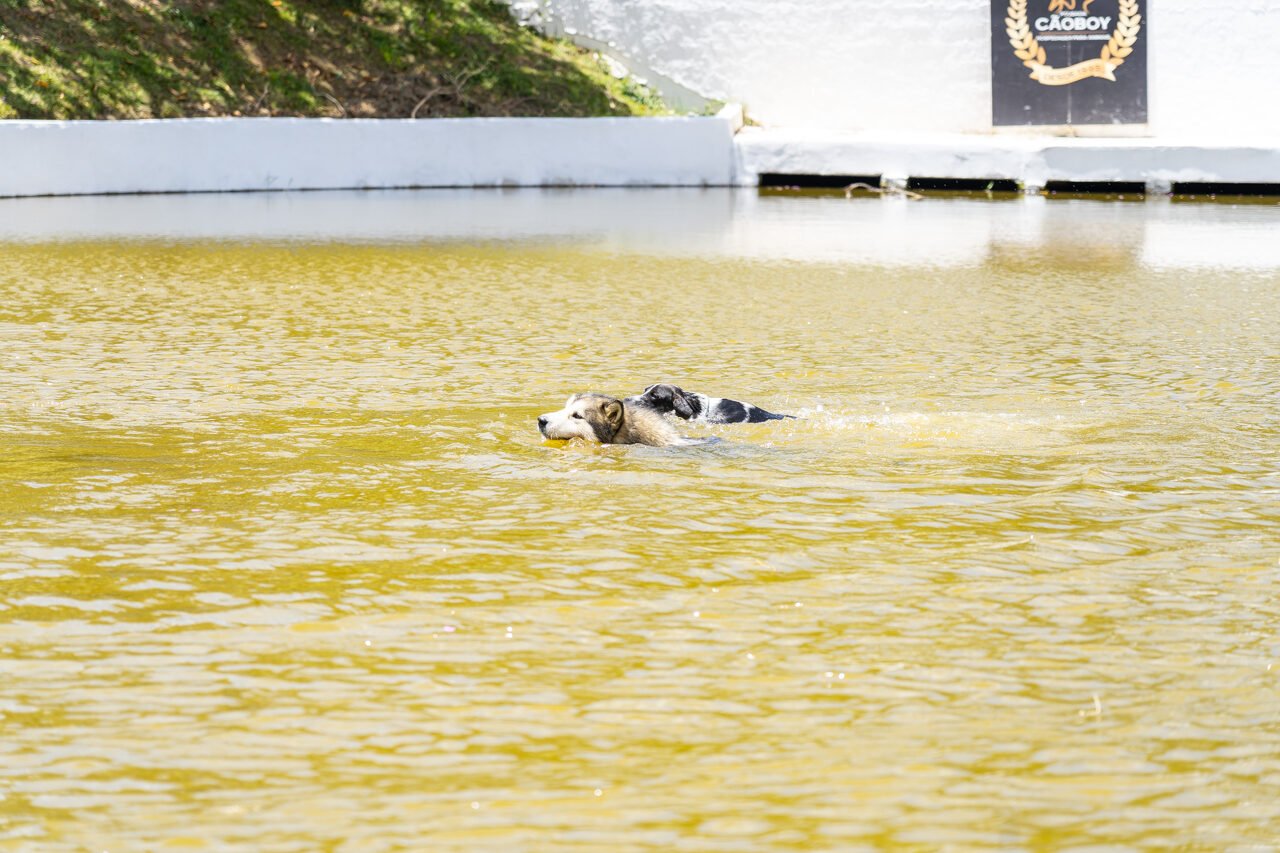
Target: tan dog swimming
[608, 420]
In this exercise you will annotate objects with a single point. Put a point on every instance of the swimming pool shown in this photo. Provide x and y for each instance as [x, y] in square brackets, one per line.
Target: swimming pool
[286, 565]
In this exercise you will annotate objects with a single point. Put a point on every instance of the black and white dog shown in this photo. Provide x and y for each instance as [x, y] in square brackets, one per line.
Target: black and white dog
[693, 406]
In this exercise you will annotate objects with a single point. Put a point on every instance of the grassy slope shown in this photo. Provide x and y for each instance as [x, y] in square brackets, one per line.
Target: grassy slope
[388, 58]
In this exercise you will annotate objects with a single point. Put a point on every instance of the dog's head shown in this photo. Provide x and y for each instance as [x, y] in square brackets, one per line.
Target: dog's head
[593, 417]
[668, 398]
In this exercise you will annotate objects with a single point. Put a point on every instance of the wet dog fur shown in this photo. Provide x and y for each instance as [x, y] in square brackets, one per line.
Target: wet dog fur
[608, 420]
[694, 406]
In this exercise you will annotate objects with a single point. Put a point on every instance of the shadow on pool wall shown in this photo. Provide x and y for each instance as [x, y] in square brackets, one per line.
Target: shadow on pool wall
[955, 230]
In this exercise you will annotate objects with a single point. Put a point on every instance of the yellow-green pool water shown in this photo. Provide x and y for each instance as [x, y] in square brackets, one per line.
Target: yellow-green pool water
[285, 565]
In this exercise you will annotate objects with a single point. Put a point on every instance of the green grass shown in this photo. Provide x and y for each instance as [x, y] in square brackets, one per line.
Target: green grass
[79, 59]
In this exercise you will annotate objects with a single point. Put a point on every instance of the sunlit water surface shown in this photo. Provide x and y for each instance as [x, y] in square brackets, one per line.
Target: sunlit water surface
[285, 566]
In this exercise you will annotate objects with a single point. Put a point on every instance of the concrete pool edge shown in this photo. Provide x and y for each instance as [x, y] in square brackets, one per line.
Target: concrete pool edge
[1032, 161]
[55, 158]
[44, 158]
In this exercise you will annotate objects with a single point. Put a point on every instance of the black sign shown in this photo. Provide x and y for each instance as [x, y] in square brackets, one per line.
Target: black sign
[1061, 62]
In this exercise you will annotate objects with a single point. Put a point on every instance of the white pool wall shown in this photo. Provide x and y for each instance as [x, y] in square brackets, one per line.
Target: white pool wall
[239, 154]
[1031, 161]
[247, 154]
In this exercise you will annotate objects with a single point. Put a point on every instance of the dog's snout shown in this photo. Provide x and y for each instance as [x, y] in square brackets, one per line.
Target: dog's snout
[542, 422]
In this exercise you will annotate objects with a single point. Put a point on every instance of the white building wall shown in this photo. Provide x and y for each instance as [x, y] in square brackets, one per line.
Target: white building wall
[1212, 72]
[924, 65]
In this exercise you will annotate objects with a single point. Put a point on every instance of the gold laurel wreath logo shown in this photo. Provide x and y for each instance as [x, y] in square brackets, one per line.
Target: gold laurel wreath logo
[1128, 22]
[1027, 48]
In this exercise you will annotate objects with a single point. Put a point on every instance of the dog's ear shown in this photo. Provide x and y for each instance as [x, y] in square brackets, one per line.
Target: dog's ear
[684, 407]
[614, 413]
[658, 395]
